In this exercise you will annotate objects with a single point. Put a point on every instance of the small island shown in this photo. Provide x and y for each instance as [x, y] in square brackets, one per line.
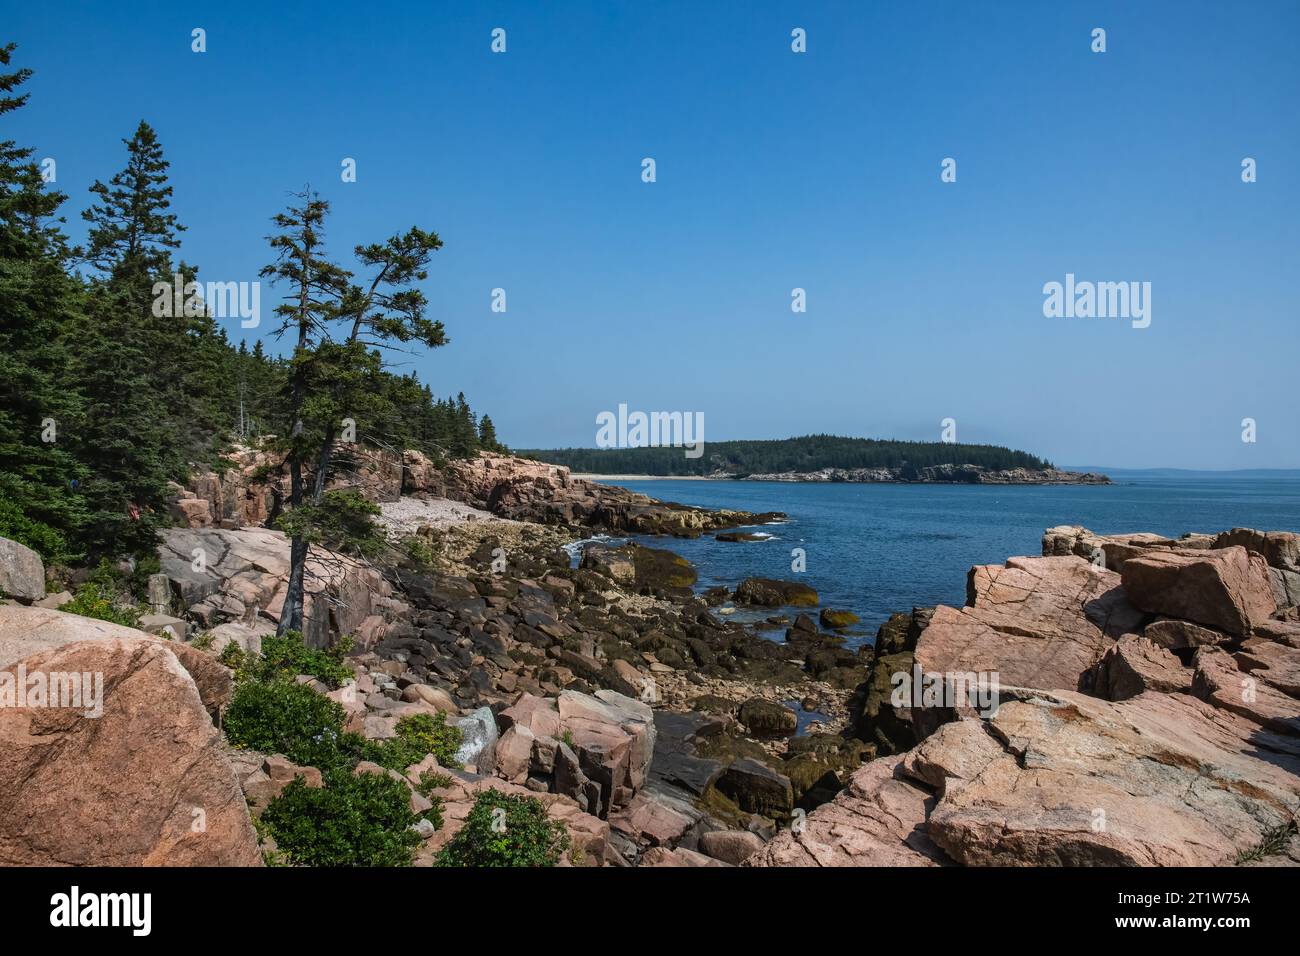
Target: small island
[825, 458]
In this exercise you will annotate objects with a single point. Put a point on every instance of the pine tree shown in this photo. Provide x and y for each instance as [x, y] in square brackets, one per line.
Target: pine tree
[316, 289]
[487, 435]
[464, 430]
[123, 439]
[337, 379]
[132, 233]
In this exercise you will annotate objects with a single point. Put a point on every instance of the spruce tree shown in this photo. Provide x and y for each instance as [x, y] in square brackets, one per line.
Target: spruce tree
[487, 435]
[132, 233]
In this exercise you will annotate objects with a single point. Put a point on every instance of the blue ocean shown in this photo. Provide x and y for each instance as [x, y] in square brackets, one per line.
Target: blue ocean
[879, 548]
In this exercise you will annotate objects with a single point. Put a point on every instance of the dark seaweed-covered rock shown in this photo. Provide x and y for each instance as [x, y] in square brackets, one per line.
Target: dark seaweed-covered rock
[769, 592]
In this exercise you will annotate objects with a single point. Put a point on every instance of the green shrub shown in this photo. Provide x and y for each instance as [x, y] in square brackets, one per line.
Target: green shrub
[91, 601]
[417, 736]
[434, 813]
[421, 551]
[287, 656]
[520, 836]
[287, 718]
[356, 820]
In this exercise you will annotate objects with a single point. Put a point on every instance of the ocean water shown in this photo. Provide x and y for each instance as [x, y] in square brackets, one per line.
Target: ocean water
[879, 548]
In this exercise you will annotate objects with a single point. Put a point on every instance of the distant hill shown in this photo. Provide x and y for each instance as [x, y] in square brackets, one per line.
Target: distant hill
[806, 454]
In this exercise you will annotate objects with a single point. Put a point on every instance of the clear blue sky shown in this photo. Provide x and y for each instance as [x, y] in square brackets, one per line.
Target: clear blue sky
[775, 170]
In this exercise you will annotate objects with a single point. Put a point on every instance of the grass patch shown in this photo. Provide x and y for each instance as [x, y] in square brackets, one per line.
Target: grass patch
[1273, 842]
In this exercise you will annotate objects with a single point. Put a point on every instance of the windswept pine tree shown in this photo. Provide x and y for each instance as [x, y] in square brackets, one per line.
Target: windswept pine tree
[340, 329]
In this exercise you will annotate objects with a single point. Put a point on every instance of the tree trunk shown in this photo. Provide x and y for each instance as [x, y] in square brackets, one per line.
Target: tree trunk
[292, 612]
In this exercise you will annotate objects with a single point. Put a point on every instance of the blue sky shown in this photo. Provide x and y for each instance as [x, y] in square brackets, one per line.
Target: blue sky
[775, 170]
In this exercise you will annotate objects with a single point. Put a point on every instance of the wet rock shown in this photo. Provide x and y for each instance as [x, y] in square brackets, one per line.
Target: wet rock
[769, 592]
[765, 718]
[836, 619]
[756, 788]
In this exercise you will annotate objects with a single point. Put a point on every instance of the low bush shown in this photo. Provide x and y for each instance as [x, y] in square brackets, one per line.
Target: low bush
[91, 601]
[417, 736]
[355, 820]
[505, 830]
[283, 717]
[287, 656]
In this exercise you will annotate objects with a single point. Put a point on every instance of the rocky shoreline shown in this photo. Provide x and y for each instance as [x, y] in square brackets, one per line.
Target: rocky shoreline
[658, 731]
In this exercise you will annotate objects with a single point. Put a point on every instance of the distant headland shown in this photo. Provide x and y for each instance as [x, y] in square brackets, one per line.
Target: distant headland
[823, 458]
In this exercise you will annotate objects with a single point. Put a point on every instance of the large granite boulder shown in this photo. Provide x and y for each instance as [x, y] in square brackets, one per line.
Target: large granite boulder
[144, 783]
[26, 631]
[594, 749]
[1035, 622]
[1250, 684]
[22, 573]
[1136, 664]
[1227, 589]
[241, 576]
[1160, 779]
[1281, 549]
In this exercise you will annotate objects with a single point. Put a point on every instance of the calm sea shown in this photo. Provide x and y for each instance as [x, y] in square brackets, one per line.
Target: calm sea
[879, 548]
